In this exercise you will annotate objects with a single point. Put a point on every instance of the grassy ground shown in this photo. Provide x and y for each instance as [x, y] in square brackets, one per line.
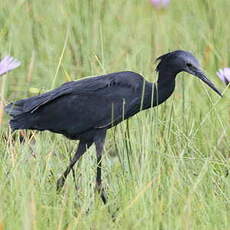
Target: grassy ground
[166, 168]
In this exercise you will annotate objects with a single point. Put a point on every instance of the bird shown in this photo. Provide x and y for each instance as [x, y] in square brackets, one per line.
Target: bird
[85, 109]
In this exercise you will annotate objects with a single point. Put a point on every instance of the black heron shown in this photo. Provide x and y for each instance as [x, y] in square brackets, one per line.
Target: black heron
[83, 110]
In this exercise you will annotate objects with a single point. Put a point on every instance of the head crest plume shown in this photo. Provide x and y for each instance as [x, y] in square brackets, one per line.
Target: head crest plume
[164, 58]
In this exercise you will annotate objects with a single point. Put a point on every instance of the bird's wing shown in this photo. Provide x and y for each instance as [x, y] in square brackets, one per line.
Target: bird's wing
[33, 103]
[101, 86]
[122, 112]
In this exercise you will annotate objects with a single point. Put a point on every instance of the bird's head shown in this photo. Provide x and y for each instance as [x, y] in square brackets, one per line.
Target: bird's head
[178, 61]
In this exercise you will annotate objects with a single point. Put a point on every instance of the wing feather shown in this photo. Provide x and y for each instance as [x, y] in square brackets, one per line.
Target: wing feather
[84, 86]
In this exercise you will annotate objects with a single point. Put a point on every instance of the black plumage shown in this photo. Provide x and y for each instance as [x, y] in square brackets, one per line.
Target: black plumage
[84, 110]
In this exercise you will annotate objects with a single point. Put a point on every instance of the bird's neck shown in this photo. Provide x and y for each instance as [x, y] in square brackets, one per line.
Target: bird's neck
[157, 93]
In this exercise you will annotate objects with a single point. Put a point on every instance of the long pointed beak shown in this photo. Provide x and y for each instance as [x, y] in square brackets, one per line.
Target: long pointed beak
[202, 77]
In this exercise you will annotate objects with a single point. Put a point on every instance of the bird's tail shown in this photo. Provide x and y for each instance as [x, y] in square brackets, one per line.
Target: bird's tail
[20, 122]
[20, 119]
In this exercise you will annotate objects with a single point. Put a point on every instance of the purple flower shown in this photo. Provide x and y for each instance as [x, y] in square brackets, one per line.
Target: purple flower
[7, 64]
[224, 75]
[159, 4]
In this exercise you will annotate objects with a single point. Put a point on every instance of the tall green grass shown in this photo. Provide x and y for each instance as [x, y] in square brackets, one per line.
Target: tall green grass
[166, 168]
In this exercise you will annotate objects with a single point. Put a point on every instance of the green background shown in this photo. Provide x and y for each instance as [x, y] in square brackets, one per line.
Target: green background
[166, 168]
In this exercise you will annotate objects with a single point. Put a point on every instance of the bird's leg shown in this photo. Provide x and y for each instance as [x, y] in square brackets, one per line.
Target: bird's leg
[74, 178]
[82, 147]
[99, 142]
